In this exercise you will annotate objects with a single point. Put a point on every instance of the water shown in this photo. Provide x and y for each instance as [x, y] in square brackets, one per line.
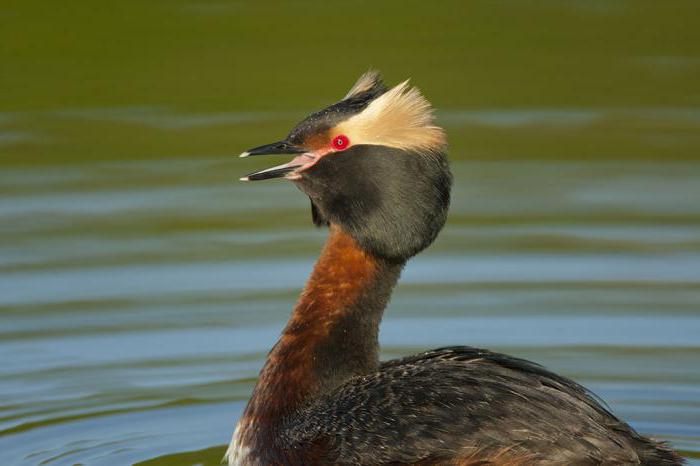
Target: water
[141, 285]
[138, 302]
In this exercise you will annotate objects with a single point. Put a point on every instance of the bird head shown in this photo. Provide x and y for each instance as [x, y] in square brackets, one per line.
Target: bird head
[373, 164]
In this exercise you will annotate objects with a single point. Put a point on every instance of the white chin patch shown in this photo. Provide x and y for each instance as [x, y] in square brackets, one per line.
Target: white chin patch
[237, 454]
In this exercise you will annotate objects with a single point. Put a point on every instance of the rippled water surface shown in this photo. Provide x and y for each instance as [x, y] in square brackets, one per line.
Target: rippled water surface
[141, 284]
[138, 299]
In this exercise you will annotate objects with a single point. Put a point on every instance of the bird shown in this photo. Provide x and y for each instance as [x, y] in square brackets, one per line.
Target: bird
[374, 166]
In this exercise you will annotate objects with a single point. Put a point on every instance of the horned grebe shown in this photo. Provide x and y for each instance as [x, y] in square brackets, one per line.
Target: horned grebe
[375, 169]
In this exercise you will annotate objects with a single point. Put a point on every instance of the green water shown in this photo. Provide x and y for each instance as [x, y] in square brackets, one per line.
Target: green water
[141, 284]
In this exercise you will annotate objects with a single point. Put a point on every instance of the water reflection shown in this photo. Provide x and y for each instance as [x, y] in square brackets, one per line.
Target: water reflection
[138, 299]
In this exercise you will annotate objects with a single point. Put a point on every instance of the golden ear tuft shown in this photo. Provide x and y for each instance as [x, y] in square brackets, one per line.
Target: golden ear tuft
[400, 117]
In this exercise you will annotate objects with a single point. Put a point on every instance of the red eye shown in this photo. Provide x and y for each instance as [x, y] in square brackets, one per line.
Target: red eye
[341, 142]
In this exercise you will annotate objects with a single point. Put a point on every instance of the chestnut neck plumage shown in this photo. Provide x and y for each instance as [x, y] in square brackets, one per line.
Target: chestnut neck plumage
[331, 336]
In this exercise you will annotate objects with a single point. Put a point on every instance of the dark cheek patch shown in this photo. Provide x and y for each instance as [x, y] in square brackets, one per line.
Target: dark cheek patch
[377, 194]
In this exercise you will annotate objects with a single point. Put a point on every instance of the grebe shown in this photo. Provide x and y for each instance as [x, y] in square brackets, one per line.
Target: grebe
[375, 169]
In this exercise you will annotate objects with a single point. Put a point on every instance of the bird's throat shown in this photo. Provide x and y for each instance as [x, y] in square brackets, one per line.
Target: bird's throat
[332, 334]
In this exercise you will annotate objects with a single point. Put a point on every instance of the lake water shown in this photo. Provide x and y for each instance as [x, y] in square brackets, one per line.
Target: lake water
[141, 284]
[138, 299]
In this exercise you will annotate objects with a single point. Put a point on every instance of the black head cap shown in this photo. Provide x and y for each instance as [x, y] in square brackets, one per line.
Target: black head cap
[366, 89]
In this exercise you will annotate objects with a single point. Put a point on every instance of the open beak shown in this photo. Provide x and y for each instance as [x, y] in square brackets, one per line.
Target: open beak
[279, 171]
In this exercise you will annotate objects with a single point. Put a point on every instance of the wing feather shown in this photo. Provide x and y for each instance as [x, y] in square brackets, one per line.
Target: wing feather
[462, 402]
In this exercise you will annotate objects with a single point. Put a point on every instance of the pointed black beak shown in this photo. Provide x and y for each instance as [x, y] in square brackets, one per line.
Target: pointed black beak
[281, 147]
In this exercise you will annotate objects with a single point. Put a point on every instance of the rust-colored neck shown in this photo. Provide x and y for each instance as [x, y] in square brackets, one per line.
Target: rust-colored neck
[332, 334]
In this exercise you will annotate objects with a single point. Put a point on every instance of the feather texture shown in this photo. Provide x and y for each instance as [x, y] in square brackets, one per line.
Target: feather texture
[462, 405]
[400, 118]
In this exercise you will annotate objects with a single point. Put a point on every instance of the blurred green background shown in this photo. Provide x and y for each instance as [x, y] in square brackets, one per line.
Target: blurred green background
[115, 80]
[141, 285]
